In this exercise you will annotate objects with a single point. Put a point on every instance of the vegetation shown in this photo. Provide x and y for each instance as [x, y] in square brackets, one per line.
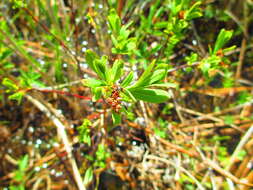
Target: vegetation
[126, 94]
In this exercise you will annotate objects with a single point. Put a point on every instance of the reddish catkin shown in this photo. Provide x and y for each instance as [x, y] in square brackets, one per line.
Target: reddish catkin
[114, 99]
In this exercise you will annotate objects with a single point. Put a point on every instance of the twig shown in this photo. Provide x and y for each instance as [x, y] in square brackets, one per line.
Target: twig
[234, 18]
[183, 66]
[209, 117]
[144, 112]
[11, 160]
[63, 135]
[214, 185]
[40, 180]
[241, 58]
[177, 107]
[195, 32]
[176, 147]
[120, 7]
[177, 167]
[239, 147]
[193, 112]
[220, 170]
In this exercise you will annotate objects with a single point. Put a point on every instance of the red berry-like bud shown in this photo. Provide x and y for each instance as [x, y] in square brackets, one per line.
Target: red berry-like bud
[109, 100]
[118, 107]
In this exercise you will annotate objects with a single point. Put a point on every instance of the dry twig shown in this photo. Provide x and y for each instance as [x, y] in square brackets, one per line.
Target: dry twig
[63, 135]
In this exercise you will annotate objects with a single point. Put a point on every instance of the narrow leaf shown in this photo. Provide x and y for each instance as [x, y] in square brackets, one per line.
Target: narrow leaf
[127, 81]
[194, 11]
[114, 21]
[223, 37]
[165, 85]
[23, 163]
[151, 95]
[157, 75]
[117, 70]
[97, 93]
[17, 96]
[92, 83]
[88, 176]
[100, 69]
[145, 77]
[116, 118]
[129, 94]
[10, 84]
[90, 56]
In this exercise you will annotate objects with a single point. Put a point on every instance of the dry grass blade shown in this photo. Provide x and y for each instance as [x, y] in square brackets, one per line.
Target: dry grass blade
[63, 135]
[239, 147]
[222, 171]
[177, 167]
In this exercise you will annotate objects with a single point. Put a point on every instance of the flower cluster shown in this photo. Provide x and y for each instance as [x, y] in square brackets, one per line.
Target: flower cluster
[114, 99]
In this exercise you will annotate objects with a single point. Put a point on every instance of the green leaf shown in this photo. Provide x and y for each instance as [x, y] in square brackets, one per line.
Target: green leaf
[157, 75]
[8, 65]
[84, 132]
[145, 77]
[107, 70]
[114, 41]
[117, 70]
[15, 188]
[241, 154]
[126, 82]
[18, 4]
[97, 93]
[228, 49]
[116, 118]
[114, 21]
[59, 71]
[165, 85]
[19, 187]
[19, 175]
[159, 132]
[150, 95]
[229, 120]
[162, 66]
[100, 68]
[30, 78]
[88, 176]
[5, 54]
[90, 56]
[17, 96]
[193, 57]
[23, 163]
[205, 67]
[92, 83]
[129, 95]
[9, 84]
[223, 37]
[124, 33]
[193, 12]
[131, 45]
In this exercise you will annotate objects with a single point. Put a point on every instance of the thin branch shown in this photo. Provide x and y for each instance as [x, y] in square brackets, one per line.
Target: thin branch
[241, 58]
[198, 38]
[62, 133]
[177, 167]
[222, 171]
[239, 147]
